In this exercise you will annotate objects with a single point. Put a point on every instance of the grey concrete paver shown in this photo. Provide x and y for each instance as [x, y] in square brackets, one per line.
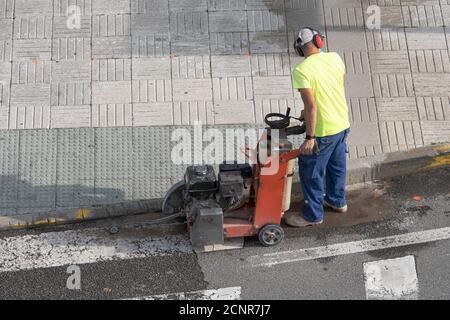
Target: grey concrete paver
[147, 63]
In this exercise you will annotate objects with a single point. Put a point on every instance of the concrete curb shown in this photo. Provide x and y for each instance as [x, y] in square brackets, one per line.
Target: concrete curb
[398, 163]
[77, 215]
[359, 171]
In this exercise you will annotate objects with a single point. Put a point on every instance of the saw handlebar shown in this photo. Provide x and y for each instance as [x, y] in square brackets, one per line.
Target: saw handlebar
[280, 121]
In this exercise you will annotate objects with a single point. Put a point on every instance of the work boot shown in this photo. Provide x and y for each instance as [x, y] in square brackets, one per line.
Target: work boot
[344, 209]
[294, 220]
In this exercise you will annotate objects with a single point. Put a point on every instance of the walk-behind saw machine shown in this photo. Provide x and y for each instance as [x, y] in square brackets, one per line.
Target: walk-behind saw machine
[243, 200]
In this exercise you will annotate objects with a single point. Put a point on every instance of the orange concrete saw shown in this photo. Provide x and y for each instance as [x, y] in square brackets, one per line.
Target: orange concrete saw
[242, 200]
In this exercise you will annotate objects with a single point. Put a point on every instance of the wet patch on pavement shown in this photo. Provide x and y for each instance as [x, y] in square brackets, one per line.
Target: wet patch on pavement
[387, 203]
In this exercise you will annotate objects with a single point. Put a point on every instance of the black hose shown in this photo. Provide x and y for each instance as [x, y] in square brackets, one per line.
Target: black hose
[161, 220]
[296, 131]
[116, 229]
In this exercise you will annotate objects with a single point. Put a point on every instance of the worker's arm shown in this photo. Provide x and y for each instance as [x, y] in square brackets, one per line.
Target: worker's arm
[309, 146]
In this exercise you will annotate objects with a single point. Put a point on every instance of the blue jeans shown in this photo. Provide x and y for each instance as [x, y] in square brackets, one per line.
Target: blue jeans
[329, 161]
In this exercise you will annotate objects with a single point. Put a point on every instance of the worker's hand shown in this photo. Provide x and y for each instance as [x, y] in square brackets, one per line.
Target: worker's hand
[308, 147]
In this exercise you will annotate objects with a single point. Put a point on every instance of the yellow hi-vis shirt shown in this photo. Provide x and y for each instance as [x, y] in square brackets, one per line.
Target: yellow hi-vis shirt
[324, 74]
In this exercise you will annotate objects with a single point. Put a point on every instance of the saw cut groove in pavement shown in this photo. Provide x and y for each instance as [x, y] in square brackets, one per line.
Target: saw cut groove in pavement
[56, 249]
[271, 259]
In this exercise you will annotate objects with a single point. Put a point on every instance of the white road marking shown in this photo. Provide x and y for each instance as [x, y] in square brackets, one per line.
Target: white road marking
[392, 279]
[219, 294]
[56, 249]
[401, 240]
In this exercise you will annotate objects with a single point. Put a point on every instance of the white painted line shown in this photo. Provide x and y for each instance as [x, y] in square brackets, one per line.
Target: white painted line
[56, 249]
[219, 294]
[333, 250]
[393, 279]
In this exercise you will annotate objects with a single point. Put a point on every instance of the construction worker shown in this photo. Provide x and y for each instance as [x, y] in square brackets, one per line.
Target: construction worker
[320, 80]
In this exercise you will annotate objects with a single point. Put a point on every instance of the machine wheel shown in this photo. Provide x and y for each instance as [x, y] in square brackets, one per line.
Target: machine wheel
[271, 235]
[173, 201]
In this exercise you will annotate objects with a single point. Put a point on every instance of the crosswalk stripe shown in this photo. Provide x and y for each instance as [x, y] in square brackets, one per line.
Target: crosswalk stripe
[57, 249]
[271, 259]
[233, 293]
[391, 279]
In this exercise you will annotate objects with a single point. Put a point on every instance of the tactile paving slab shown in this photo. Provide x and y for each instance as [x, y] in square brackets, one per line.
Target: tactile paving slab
[115, 86]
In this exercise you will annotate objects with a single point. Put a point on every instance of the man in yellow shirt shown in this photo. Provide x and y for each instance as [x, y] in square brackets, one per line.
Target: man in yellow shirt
[320, 80]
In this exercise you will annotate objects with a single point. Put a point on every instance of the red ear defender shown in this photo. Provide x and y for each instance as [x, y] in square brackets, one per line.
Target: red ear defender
[319, 41]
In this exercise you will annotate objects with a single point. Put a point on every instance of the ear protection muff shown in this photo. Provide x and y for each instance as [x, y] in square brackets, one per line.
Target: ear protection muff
[318, 41]
[298, 47]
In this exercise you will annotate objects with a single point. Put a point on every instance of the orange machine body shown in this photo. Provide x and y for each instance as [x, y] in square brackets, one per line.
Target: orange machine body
[269, 192]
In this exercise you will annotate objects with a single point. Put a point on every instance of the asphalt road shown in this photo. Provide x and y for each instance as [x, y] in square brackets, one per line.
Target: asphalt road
[410, 216]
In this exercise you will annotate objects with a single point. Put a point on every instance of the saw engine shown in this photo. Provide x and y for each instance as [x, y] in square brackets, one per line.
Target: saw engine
[230, 190]
[240, 200]
[206, 198]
